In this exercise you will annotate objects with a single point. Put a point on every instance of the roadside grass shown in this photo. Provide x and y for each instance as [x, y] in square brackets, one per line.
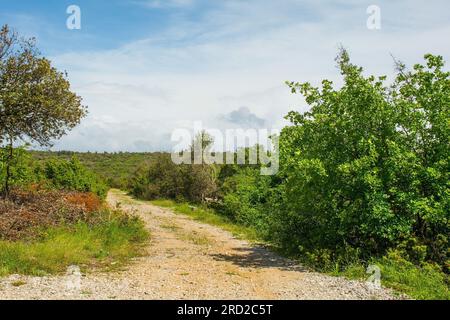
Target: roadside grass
[209, 216]
[396, 273]
[419, 283]
[106, 245]
[423, 283]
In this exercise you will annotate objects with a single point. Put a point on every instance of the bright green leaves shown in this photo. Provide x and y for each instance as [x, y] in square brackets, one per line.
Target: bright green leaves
[71, 175]
[368, 164]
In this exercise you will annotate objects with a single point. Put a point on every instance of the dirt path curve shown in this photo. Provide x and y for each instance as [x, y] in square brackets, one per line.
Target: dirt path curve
[190, 260]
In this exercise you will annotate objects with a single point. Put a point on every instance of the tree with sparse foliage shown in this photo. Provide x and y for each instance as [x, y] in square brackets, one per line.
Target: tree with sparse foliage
[36, 101]
[202, 177]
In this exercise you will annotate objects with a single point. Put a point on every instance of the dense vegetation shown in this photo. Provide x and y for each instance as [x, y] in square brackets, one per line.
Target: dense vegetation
[51, 213]
[164, 179]
[364, 178]
[54, 173]
[115, 169]
[368, 166]
[71, 175]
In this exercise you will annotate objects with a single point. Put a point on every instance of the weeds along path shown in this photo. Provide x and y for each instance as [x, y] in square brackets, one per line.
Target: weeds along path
[189, 260]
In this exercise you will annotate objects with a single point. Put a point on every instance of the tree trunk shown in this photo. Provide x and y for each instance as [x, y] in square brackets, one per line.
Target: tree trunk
[8, 168]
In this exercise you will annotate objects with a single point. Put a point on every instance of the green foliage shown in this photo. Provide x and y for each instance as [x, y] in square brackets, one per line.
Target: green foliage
[114, 239]
[116, 169]
[162, 178]
[368, 165]
[245, 196]
[36, 101]
[53, 173]
[21, 173]
[419, 282]
[71, 175]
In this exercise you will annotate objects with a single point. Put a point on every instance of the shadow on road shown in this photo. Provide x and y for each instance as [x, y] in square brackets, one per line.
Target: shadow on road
[258, 257]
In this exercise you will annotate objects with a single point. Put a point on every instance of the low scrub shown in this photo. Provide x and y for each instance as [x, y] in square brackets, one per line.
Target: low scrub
[45, 232]
[70, 175]
[24, 212]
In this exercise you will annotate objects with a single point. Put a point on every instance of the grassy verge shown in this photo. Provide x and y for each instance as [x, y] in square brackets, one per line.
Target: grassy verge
[396, 273]
[107, 244]
[424, 283]
[209, 216]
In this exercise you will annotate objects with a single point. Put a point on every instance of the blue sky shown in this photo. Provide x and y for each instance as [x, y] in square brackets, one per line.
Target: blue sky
[147, 67]
[105, 24]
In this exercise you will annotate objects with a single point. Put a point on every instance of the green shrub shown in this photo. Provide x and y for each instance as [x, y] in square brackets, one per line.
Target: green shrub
[368, 165]
[160, 179]
[164, 179]
[21, 171]
[244, 198]
[71, 175]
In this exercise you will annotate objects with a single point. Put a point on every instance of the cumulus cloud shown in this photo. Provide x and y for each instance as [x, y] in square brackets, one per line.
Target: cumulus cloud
[242, 117]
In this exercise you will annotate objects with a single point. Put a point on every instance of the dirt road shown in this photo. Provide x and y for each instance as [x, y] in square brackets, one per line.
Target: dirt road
[189, 260]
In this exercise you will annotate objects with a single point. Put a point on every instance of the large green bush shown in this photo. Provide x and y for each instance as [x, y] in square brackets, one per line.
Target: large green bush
[368, 165]
[160, 179]
[245, 195]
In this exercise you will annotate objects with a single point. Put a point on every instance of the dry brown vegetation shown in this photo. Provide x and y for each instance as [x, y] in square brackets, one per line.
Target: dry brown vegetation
[25, 212]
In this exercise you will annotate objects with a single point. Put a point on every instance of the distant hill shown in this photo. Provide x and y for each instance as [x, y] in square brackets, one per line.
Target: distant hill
[114, 168]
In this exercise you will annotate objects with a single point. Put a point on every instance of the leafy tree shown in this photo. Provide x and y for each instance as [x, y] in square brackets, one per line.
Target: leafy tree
[368, 165]
[36, 103]
[201, 177]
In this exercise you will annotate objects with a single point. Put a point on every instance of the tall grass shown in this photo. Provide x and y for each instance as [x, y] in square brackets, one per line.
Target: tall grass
[109, 243]
[424, 282]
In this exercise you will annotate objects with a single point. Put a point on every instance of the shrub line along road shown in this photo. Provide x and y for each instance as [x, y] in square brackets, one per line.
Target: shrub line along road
[186, 259]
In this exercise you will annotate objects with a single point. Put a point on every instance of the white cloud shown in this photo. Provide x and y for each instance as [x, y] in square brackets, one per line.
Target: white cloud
[158, 4]
[238, 54]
